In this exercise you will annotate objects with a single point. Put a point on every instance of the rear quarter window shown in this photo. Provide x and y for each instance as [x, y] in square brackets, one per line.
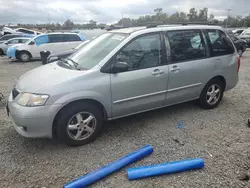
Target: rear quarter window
[219, 43]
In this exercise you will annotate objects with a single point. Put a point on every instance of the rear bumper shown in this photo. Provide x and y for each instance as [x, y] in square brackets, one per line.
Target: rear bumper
[231, 81]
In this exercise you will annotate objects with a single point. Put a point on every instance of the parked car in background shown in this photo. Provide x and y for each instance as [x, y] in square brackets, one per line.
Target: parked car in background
[237, 32]
[8, 30]
[240, 44]
[120, 73]
[10, 36]
[61, 55]
[5, 45]
[245, 35]
[53, 42]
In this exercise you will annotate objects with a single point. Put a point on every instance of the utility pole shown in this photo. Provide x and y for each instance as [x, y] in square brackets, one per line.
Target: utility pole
[228, 10]
[49, 19]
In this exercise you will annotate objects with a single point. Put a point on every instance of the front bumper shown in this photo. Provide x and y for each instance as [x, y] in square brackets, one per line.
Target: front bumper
[33, 122]
[12, 53]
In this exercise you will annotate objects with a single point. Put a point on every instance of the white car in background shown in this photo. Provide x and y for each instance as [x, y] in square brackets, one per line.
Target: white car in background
[53, 42]
[245, 35]
[5, 45]
[8, 30]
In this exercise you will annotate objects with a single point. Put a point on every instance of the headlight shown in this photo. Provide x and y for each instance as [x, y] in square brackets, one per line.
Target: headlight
[30, 99]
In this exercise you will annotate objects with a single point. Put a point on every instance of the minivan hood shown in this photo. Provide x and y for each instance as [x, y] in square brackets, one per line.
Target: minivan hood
[44, 76]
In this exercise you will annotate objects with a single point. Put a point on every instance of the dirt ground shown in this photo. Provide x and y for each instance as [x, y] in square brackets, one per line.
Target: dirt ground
[220, 135]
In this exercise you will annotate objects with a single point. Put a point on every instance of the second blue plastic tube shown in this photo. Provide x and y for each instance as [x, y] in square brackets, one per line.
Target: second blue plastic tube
[165, 168]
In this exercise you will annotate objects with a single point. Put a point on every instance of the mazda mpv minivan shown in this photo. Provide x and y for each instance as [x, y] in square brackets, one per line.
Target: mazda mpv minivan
[120, 73]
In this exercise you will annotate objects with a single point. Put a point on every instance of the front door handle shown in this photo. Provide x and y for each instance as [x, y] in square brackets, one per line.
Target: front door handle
[175, 68]
[157, 72]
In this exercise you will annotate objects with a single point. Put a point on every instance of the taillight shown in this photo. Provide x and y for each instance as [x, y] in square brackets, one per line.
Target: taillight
[238, 69]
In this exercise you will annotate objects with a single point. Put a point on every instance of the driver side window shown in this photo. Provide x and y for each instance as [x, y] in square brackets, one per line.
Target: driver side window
[143, 52]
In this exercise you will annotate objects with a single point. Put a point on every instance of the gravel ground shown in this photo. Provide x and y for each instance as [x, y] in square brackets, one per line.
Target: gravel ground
[221, 136]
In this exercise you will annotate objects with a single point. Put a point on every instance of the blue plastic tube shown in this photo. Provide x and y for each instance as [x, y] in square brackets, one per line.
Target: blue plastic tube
[110, 168]
[165, 168]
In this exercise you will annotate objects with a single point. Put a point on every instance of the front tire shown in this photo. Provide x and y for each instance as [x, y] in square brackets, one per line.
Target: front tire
[24, 56]
[212, 94]
[79, 123]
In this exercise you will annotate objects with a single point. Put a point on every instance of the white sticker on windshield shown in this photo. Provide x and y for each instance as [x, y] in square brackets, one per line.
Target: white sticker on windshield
[118, 37]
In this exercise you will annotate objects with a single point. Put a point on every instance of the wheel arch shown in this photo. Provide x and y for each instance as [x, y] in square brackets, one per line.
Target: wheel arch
[92, 101]
[18, 53]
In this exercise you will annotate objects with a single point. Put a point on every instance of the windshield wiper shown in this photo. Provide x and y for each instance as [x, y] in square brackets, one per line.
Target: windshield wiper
[65, 62]
[75, 63]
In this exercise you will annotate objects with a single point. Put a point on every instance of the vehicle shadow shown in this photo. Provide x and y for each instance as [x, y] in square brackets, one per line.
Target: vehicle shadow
[16, 61]
[129, 123]
[111, 130]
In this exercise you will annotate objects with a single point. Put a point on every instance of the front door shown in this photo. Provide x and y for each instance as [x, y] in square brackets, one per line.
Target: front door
[41, 44]
[143, 86]
[189, 68]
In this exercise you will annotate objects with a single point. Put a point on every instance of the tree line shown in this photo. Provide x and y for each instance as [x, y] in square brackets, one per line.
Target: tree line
[193, 16]
[159, 17]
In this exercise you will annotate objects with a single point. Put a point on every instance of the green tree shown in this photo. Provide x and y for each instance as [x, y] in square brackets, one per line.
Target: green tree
[192, 16]
[68, 24]
[203, 15]
[125, 22]
[211, 18]
[158, 11]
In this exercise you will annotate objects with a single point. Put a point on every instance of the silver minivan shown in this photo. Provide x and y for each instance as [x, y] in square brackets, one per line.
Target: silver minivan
[120, 73]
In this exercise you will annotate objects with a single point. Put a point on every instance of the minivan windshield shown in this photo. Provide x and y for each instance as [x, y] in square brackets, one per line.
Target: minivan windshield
[95, 50]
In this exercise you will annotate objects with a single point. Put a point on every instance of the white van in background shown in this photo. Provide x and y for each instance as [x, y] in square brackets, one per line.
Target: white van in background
[53, 42]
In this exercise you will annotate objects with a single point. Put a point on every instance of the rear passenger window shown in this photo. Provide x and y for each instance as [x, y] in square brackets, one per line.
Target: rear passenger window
[71, 37]
[55, 38]
[186, 45]
[219, 43]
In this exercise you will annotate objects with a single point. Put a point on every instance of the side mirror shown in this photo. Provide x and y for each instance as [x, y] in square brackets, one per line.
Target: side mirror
[31, 43]
[120, 67]
[6, 43]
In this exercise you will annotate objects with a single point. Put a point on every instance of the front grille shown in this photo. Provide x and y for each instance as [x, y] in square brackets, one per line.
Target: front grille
[14, 93]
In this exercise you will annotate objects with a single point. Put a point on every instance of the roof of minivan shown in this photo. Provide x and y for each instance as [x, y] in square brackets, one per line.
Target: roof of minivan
[61, 33]
[164, 27]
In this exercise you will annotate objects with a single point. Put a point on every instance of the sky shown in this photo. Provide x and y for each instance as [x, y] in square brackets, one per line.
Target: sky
[107, 11]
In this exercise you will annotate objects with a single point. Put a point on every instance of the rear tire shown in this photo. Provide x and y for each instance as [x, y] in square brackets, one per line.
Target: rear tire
[212, 94]
[74, 119]
[24, 56]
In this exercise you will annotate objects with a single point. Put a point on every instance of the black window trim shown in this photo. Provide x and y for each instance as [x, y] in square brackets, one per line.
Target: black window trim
[210, 45]
[207, 53]
[108, 66]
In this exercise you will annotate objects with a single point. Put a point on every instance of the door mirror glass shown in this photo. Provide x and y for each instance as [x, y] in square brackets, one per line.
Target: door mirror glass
[31, 43]
[120, 67]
